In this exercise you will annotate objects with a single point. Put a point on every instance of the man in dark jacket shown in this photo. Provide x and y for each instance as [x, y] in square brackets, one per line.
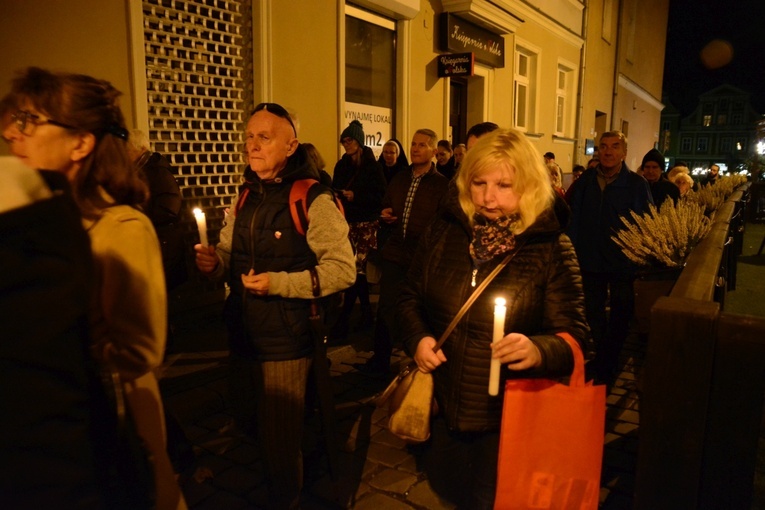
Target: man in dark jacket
[410, 203]
[712, 176]
[274, 272]
[653, 172]
[599, 200]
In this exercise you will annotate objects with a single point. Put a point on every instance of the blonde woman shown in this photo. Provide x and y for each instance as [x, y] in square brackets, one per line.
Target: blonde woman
[504, 204]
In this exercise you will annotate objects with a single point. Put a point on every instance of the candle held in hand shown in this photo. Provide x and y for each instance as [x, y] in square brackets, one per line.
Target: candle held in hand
[201, 225]
[500, 310]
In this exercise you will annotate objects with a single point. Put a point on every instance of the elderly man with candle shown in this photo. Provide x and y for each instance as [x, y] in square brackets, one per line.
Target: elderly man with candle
[275, 272]
[503, 204]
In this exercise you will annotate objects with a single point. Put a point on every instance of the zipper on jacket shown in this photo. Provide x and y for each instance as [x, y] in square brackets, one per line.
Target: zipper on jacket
[252, 227]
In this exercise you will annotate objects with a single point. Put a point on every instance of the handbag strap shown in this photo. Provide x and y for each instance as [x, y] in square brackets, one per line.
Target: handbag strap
[477, 292]
[577, 375]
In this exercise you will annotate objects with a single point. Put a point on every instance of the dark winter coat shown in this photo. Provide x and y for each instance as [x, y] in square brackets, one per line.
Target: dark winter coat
[367, 182]
[662, 189]
[430, 192]
[47, 458]
[541, 284]
[265, 239]
[596, 216]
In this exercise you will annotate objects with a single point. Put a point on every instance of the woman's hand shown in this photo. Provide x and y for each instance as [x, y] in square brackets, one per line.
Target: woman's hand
[205, 258]
[427, 360]
[517, 351]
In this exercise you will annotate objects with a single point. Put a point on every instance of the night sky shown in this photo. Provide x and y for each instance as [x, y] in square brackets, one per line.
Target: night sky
[693, 24]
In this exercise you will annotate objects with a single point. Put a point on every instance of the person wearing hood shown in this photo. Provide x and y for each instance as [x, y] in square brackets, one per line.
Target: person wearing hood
[274, 273]
[653, 171]
[360, 183]
[504, 205]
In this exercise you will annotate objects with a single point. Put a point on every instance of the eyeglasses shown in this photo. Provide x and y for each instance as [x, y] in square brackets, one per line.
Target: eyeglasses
[25, 122]
[277, 110]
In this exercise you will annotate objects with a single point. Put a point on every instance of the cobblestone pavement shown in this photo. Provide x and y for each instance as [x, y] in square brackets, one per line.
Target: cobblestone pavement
[377, 470]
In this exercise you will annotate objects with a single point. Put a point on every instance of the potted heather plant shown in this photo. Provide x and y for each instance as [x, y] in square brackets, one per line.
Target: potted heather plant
[659, 242]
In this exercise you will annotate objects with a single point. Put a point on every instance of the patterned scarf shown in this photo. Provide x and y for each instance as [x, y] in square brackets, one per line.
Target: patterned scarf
[492, 237]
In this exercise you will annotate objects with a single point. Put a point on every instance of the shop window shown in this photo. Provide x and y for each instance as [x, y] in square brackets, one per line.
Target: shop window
[370, 74]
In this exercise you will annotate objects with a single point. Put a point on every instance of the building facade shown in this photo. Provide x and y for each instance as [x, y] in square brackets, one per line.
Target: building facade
[561, 71]
[721, 130]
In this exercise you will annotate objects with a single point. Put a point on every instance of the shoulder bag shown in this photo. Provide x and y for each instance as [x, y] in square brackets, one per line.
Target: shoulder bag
[410, 395]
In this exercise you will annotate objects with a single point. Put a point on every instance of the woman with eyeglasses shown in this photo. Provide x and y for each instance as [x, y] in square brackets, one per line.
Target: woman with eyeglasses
[72, 124]
[360, 183]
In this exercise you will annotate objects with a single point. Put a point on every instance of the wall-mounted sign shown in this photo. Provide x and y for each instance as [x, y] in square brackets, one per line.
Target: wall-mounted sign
[377, 123]
[456, 64]
[458, 35]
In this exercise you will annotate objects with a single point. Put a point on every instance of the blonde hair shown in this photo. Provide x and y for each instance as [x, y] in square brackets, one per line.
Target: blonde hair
[508, 149]
[681, 177]
[677, 170]
[555, 172]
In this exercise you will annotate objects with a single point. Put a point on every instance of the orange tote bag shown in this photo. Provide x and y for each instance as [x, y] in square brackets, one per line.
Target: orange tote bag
[551, 442]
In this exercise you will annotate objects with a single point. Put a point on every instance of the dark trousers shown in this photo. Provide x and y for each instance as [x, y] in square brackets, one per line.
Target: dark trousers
[390, 282]
[280, 397]
[462, 467]
[609, 331]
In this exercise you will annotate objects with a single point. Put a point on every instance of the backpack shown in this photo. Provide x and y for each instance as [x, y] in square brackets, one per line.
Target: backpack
[300, 201]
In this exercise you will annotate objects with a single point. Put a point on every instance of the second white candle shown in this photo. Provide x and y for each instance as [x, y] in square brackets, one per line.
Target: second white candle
[500, 310]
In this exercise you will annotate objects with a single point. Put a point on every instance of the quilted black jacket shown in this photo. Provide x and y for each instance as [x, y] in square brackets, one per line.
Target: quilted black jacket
[542, 286]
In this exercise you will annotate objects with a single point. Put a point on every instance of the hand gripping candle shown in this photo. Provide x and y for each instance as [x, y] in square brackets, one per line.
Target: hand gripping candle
[500, 310]
[201, 225]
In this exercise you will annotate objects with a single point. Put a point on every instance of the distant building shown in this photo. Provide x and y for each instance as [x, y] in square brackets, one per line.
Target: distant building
[721, 130]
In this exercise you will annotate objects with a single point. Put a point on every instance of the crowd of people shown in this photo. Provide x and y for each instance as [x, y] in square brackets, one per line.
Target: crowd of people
[436, 220]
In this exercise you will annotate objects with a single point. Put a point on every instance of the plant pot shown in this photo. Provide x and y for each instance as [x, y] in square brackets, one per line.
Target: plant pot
[650, 285]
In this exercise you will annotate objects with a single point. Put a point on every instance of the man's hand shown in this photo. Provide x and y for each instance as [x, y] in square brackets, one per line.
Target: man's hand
[517, 351]
[257, 284]
[427, 359]
[206, 258]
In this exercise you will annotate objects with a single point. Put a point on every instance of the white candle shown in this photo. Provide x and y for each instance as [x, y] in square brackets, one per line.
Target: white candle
[500, 310]
[201, 225]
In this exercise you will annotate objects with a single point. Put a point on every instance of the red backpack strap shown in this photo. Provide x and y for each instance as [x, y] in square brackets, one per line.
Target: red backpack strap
[299, 204]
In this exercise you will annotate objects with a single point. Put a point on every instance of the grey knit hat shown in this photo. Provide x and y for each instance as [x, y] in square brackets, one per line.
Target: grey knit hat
[355, 131]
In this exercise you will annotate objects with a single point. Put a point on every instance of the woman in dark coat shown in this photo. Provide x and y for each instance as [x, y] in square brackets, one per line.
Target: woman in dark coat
[504, 204]
[359, 182]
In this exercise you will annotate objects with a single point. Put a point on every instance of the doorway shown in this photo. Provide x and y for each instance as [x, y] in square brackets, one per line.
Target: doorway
[458, 94]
